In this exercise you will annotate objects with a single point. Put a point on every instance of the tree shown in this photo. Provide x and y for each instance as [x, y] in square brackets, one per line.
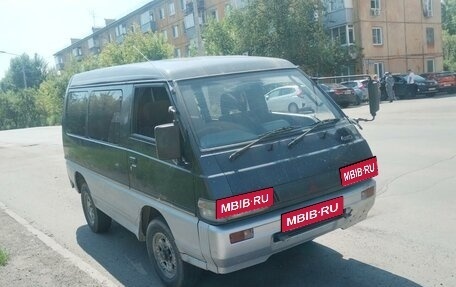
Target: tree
[136, 47]
[220, 37]
[290, 29]
[24, 72]
[449, 16]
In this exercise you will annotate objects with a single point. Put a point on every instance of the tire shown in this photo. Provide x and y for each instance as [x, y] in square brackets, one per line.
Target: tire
[98, 221]
[293, 108]
[358, 100]
[166, 259]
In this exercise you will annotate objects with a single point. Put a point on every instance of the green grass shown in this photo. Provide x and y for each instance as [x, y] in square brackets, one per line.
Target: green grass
[3, 257]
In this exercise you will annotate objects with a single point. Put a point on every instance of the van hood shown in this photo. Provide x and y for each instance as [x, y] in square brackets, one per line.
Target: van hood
[309, 169]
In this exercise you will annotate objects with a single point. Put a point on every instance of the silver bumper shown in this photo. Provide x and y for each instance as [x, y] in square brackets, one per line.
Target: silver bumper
[223, 257]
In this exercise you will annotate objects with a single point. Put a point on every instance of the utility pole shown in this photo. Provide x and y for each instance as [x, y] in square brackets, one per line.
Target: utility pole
[199, 40]
[22, 64]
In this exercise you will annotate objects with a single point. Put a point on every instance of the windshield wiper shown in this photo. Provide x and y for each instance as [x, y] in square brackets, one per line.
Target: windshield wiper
[264, 136]
[318, 124]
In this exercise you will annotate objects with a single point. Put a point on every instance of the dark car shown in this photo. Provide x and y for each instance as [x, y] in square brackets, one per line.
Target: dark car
[402, 89]
[342, 95]
[446, 80]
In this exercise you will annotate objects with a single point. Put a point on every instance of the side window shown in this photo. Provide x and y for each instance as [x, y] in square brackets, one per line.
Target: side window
[104, 115]
[150, 110]
[76, 113]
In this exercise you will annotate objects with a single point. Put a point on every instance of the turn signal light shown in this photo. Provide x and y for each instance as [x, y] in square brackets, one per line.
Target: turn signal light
[241, 235]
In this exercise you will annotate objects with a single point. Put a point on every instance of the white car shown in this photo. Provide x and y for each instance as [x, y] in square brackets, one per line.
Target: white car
[286, 99]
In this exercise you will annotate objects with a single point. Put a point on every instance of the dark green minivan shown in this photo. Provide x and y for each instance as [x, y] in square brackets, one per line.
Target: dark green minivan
[200, 159]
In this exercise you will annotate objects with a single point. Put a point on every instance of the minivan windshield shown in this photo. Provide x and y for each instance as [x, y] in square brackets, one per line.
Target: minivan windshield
[235, 109]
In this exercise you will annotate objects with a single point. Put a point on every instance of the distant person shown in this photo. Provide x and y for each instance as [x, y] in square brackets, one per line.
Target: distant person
[389, 83]
[411, 86]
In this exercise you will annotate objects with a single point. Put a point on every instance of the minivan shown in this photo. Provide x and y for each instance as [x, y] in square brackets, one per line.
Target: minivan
[187, 154]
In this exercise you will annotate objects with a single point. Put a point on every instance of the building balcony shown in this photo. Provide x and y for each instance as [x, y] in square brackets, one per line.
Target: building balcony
[189, 7]
[149, 27]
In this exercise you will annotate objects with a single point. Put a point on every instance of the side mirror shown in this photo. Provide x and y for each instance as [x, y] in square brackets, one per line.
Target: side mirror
[374, 97]
[167, 138]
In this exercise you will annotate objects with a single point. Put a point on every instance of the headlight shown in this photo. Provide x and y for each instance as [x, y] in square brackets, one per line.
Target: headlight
[236, 206]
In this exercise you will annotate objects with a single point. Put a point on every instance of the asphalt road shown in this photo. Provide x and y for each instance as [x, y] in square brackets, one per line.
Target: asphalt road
[408, 239]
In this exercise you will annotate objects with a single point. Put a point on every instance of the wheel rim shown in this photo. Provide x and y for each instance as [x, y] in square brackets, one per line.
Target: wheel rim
[90, 209]
[164, 255]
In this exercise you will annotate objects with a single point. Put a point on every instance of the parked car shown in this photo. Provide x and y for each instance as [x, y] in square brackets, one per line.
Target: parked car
[401, 88]
[342, 95]
[446, 80]
[287, 99]
[360, 87]
[186, 154]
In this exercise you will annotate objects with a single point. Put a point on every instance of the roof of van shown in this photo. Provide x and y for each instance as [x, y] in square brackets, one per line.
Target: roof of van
[179, 68]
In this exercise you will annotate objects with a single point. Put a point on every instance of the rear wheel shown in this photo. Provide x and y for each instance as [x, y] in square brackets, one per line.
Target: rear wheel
[165, 257]
[96, 219]
[293, 108]
[358, 100]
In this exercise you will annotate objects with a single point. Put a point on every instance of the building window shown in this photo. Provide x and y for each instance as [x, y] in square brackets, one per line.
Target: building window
[334, 5]
[375, 8]
[377, 37]
[182, 5]
[343, 34]
[430, 67]
[189, 21]
[172, 9]
[175, 31]
[375, 4]
[378, 68]
[145, 21]
[430, 36]
[351, 34]
[121, 30]
[77, 51]
[427, 8]
[213, 14]
[165, 35]
[90, 43]
[162, 13]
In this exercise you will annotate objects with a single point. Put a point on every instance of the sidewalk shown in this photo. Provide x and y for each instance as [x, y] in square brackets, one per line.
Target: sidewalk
[32, 263]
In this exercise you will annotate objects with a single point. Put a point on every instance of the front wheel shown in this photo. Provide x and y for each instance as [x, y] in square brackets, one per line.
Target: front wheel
[166, 259]
[96, 219]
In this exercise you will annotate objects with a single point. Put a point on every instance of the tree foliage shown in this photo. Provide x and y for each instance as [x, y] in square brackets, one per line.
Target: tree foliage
[449, 34]
[290, 29]
[136, 47]
[42, 102]
[24, 72]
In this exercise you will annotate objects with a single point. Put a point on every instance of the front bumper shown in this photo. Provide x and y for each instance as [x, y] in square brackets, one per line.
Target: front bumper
[223, 257]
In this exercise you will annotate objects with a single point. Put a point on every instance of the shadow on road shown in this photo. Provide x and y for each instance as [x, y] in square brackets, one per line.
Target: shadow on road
[310, 264]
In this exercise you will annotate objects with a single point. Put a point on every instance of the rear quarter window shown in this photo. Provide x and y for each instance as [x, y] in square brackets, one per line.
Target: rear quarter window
[76, 113]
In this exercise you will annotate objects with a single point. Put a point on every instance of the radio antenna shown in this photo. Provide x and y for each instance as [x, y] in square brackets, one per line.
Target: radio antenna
[144, 56]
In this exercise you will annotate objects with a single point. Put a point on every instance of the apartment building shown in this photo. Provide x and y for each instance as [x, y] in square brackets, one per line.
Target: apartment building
[394, 35]
[174, 19]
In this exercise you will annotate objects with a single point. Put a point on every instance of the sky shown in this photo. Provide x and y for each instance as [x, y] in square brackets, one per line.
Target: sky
[45, 27]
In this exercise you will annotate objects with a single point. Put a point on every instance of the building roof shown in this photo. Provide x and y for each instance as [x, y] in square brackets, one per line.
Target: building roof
[179, 68]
